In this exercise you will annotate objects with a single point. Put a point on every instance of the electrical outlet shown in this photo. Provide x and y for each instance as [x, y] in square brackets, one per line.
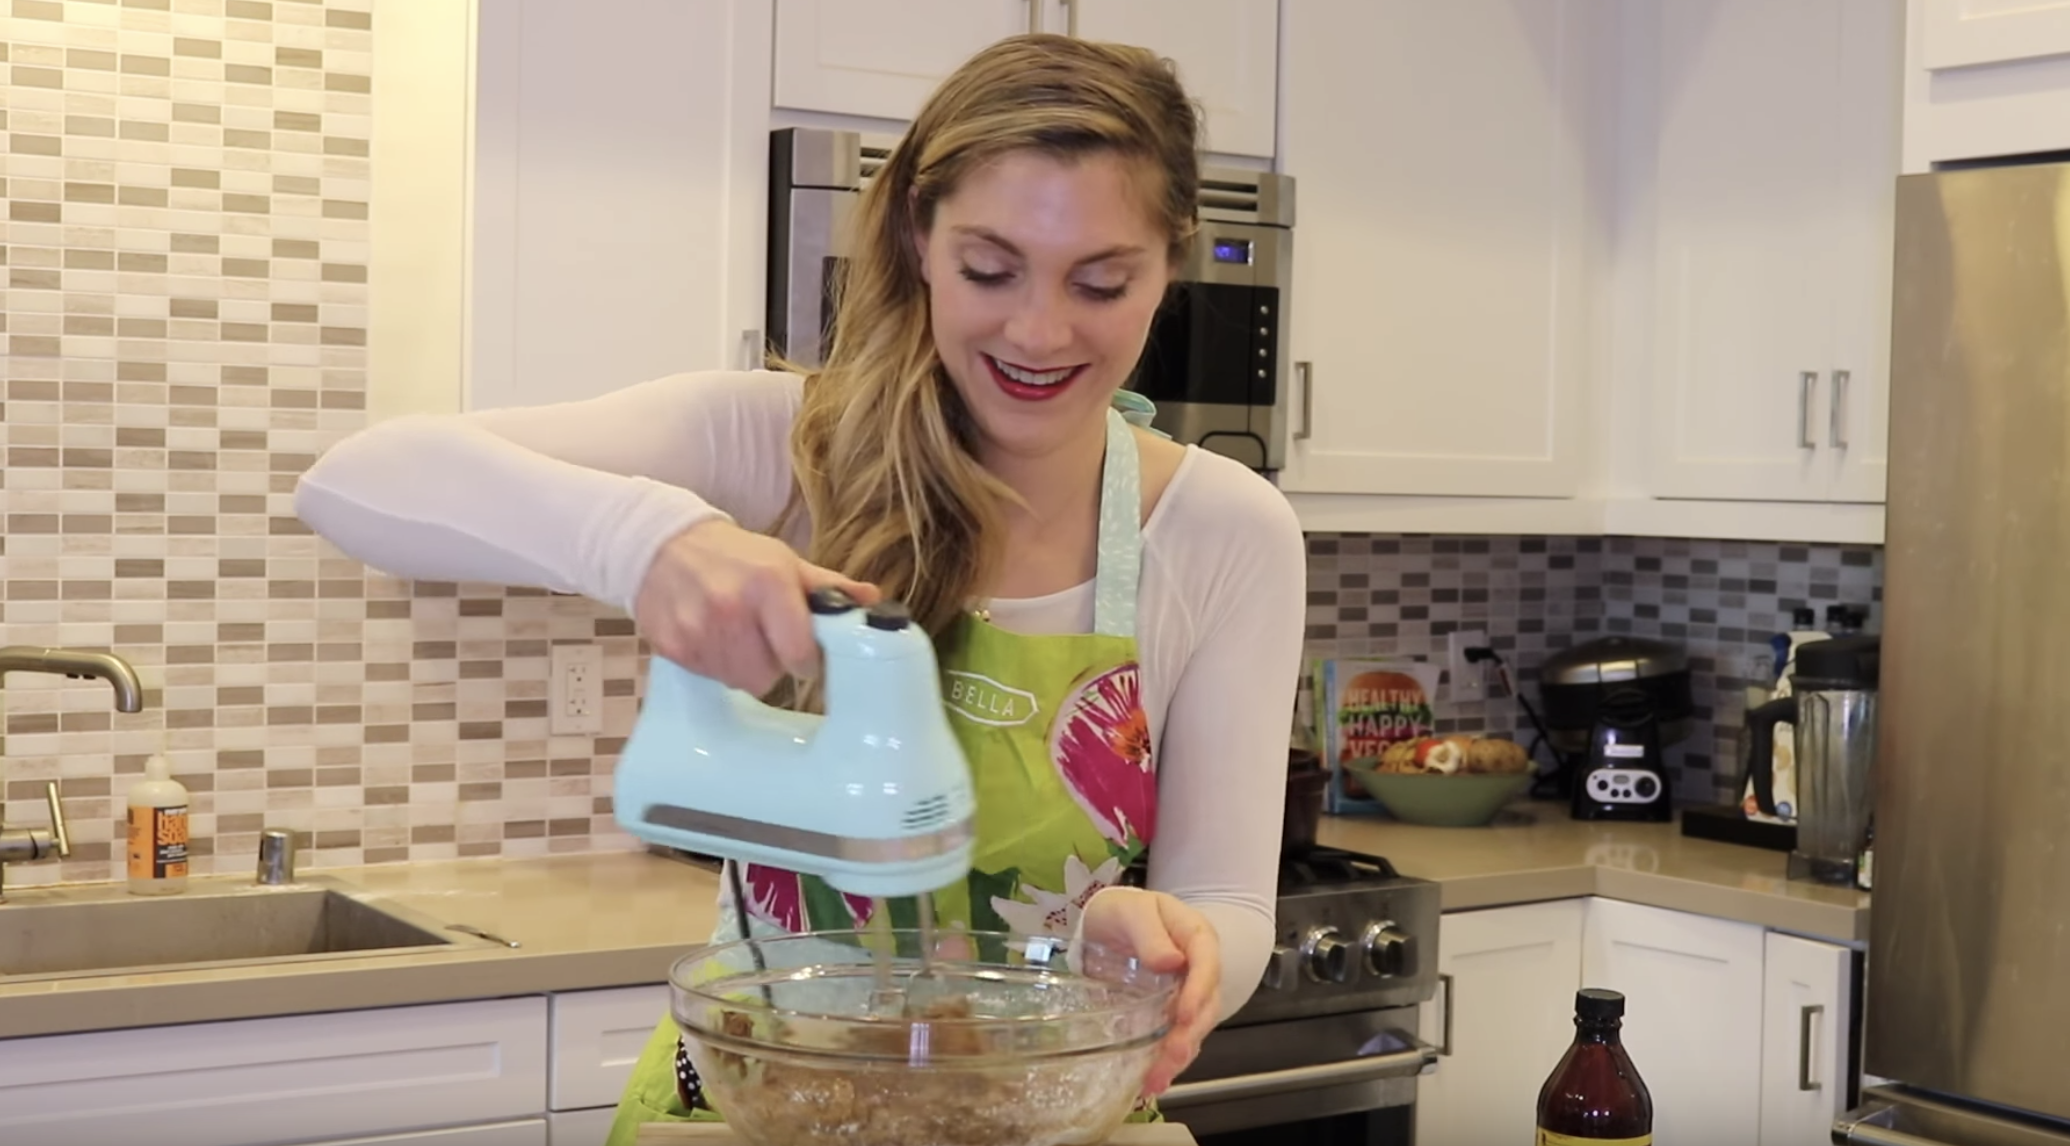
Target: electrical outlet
[575, 690]
[1469, 680]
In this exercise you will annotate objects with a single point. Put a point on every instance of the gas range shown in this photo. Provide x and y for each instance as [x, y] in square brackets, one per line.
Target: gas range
[1354, 935]
[1326, 1049]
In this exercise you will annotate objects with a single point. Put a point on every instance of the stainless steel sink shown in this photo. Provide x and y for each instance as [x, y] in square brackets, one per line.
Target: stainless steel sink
[104, 931]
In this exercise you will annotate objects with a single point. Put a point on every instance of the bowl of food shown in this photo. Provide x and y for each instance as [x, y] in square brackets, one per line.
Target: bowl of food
[1454, 781]
[852, 1037]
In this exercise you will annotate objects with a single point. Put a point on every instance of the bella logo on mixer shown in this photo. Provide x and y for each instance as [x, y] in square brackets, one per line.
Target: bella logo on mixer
[986, 701]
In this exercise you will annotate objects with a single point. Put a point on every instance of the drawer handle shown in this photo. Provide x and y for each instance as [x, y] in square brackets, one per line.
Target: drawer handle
[1305, 374]
[1807, 384]
[1804, 1017]
[1445, 1038]
[1839, 432]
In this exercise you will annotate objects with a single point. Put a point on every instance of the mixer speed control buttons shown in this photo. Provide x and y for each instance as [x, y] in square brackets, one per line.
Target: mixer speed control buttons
[1326, 956]
[890, 616]
[829, 601]
[1388, 951]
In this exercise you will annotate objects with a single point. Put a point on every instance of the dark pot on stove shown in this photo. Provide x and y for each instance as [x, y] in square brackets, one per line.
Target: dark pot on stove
[1305, 783]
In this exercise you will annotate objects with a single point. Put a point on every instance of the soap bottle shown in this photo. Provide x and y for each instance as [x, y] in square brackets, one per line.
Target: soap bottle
[157, 831]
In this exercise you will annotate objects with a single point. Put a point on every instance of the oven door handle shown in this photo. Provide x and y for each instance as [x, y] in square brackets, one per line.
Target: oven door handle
[1366, 1068]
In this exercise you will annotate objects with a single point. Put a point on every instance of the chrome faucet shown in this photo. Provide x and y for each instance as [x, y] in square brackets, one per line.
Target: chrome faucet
[30, 845]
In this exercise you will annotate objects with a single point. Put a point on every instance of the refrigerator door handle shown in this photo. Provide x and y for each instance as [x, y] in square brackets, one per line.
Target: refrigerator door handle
[1807, 383]
[1804, 1017]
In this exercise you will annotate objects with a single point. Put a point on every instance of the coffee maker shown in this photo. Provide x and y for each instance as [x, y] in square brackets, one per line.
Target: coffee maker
[1832, 711]
[1613, 706]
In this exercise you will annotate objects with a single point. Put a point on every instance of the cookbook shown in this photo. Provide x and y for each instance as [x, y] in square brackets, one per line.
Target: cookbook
[1362, 705]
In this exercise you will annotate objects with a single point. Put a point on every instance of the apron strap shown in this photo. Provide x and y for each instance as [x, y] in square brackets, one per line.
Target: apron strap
[1121, 532]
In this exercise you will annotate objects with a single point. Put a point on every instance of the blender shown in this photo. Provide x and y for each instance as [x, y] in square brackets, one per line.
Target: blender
[1832, 707]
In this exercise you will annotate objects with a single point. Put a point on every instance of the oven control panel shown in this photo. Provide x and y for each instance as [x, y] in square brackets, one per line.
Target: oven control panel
[1350, 947]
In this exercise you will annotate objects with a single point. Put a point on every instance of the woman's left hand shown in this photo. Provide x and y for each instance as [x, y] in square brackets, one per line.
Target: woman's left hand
[1167, 935]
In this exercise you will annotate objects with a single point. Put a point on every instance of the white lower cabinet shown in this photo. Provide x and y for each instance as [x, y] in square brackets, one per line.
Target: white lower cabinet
[339, 1077]
[1741, 1034]
[1807, 1029]
[495, 1072]
[1502, 1018]
[527, 1132]
[597, 1038]
[1692, 1024]
[580, 1127]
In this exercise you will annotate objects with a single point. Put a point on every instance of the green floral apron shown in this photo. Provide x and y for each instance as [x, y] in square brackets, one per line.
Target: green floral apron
[1059, 749]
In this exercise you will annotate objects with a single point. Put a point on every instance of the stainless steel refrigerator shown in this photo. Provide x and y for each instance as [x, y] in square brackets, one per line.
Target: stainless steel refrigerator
[1968, 1000]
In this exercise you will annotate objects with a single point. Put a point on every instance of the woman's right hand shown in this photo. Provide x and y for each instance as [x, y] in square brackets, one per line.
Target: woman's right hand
[729, 604]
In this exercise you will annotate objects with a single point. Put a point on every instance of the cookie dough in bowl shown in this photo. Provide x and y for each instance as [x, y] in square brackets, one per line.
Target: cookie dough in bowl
[1011, 1041]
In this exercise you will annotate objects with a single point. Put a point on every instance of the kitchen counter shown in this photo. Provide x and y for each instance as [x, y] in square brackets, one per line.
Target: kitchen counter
[619, 918]
[581, 921]
[1535, 852]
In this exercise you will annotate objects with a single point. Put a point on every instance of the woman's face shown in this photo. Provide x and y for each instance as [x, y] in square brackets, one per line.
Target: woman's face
[1044, 275]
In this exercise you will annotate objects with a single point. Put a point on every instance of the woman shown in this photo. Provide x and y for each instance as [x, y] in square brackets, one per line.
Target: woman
[961, 451]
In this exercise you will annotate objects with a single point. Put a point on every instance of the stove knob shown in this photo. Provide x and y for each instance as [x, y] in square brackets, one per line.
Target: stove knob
[1327, 955]
[1388, 950]
[1280, 969]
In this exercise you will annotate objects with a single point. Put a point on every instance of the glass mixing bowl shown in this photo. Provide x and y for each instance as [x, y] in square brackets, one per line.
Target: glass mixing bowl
[1007, 1040]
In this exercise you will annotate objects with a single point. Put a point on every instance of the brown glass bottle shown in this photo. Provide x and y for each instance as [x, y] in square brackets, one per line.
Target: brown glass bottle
[1595, 1094]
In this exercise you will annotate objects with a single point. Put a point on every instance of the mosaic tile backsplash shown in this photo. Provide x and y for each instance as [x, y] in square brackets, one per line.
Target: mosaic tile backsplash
[1720, 600]
[186, 243]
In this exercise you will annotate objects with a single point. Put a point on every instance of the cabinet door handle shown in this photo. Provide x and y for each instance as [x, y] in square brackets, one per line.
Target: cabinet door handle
[1305, 375]
[1804, 1017]
[1445, 1036]
[1807, 384]
[1839, 432]
[751, 350]
[1071, 18]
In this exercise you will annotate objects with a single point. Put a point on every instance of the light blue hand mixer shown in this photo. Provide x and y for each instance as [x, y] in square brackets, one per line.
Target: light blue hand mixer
[874, 797]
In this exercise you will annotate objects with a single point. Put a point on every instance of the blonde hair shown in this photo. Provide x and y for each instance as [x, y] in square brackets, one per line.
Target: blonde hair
[883, 448]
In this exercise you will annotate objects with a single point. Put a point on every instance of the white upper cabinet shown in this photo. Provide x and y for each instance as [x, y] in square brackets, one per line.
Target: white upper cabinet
[882, 58]
[1447, 249]
[563, 205]
[1771, 178]
[1226, 51]
[1960, 33]
[610, 202]
[1985, 78]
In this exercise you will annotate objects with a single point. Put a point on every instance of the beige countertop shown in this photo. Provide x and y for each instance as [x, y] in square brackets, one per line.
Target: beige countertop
[1535, 851]
[618, 919]
[581, 921]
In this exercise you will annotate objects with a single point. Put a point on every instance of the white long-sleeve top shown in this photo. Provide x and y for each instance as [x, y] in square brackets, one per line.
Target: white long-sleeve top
[577, 497]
